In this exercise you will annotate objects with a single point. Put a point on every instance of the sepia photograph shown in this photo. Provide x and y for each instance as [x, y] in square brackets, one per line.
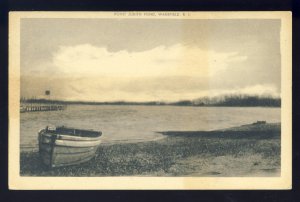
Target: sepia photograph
[150, 100]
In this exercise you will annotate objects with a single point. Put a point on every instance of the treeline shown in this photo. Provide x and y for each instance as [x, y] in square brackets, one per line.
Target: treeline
[239, 101]
[61, 102]
[226, 101]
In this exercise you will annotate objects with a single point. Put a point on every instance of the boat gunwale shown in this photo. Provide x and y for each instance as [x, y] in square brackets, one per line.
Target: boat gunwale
[67, 130]
[71, 138]
[57, 131]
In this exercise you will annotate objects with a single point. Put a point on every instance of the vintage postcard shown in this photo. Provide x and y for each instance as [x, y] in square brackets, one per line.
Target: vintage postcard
[150, 100]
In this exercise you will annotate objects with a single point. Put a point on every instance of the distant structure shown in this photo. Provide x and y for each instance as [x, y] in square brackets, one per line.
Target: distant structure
[47, 92]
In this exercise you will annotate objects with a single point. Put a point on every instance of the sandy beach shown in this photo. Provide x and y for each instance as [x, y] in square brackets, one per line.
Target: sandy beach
[248, 150]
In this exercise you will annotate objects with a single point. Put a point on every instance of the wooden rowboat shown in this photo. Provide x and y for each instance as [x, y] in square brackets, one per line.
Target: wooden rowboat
[62, 146]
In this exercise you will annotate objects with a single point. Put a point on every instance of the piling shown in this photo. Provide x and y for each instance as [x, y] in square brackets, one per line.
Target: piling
[36, 108]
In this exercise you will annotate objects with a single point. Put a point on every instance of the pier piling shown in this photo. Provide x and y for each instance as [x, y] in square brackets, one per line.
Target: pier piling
[35, 108]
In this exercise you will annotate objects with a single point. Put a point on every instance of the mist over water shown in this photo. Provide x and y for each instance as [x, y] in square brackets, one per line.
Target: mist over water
[121, 124]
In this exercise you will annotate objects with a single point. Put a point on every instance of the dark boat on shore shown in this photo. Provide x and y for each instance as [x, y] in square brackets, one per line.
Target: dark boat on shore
[62, 146]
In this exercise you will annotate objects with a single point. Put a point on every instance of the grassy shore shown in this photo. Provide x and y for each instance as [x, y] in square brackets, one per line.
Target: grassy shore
[249, 150]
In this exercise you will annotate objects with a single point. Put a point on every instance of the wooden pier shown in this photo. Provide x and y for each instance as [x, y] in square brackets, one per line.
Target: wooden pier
[36, 108]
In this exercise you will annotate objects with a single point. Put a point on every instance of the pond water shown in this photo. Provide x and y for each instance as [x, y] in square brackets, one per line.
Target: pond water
[121, 124]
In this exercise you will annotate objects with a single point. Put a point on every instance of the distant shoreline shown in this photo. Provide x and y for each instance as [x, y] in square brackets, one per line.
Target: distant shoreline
[246, 101]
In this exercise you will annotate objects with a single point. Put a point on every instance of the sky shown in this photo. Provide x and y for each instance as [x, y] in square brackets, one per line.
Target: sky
[149, 59]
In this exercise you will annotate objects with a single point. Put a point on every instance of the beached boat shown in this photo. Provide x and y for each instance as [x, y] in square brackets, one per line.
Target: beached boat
[62, 146]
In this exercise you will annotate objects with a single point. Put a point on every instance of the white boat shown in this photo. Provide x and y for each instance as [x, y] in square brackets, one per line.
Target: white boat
[62, 146]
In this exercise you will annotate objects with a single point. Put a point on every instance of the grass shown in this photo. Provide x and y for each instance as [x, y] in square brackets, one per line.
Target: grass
[179, 154]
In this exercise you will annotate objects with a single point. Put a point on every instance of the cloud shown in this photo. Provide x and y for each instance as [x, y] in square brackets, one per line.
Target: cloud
[259, 89]
[176, 60]
[86, 72]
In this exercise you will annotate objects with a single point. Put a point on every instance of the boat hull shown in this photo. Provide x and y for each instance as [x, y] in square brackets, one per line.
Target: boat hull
[58, 150]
